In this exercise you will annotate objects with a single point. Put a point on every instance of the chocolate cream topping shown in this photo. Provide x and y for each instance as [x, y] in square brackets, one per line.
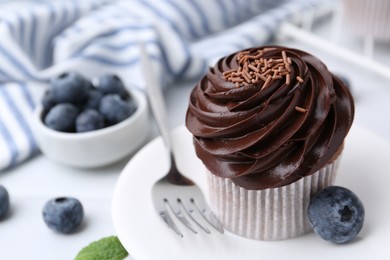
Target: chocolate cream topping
[266, 117]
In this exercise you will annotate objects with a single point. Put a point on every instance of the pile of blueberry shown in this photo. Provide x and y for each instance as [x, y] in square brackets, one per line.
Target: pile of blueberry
[73, 104]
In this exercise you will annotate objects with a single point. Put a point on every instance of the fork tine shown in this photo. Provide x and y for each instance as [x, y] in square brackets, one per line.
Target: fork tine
[189, 213]
[213, 220]
[179, 215]
[168, 220]
[209, 216]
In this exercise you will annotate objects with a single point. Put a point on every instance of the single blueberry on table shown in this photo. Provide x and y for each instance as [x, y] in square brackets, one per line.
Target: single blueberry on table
[70, 87]
[115, 110]
[4, 202]
[112, 84]
[61, 117]
[63, 214]
[89, 120]
[336, 214]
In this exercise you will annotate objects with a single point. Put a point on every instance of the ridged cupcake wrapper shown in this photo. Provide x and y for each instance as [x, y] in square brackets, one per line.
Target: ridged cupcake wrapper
[270, 214]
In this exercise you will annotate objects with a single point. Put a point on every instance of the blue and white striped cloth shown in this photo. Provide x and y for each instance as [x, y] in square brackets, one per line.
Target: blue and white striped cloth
[41, 39]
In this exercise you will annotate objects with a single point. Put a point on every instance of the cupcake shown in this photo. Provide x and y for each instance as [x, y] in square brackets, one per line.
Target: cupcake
[269, 125]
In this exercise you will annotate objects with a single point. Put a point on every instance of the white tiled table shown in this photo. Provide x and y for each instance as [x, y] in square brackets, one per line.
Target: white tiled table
[23, 235]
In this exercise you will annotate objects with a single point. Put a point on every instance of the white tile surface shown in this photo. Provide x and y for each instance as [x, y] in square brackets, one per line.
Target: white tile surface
[23, 234]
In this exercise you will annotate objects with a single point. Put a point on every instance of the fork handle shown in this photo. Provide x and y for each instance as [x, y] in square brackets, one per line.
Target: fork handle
[157, 104]
[153, 89]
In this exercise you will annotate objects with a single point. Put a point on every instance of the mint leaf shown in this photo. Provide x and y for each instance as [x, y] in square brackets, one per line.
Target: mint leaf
[108, 248]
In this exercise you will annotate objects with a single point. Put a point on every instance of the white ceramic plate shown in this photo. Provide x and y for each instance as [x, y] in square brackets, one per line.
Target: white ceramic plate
[365, 169]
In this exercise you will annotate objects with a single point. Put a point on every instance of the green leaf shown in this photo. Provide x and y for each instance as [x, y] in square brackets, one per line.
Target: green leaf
[108, 248]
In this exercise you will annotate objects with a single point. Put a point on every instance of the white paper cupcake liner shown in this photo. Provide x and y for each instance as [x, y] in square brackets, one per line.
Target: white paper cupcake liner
[270, 214]
[368, 17]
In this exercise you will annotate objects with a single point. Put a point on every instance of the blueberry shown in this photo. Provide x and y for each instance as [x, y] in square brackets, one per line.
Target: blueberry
[93, 99]
[336, 214]
[70, 87]
[89, 120]
[48, 101]
[4, 202]
[62, 117]
[63, 214]
[114, 109]
[112, 84]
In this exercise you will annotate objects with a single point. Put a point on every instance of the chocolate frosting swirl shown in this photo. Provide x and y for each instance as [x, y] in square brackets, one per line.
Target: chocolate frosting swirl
[269, 137]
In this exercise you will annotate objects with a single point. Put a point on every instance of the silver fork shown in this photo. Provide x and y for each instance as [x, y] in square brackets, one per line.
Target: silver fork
[174, 192]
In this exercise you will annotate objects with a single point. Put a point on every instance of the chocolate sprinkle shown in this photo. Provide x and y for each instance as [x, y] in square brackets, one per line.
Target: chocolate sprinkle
[255, 68]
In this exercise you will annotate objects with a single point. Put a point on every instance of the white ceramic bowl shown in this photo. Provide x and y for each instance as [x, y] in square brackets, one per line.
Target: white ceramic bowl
[95, 148]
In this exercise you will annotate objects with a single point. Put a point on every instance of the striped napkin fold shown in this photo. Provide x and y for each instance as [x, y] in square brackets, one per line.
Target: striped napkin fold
[42, 39]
